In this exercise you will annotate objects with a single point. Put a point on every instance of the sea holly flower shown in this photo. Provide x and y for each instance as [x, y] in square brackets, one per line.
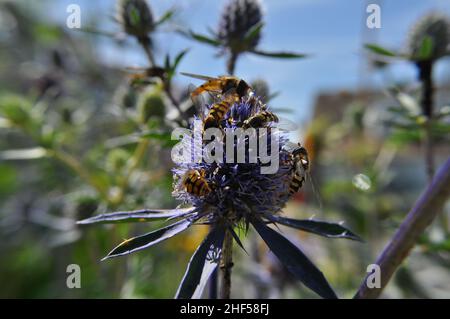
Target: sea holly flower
[429, 38]
[428, 41]
[137, 20]
[135, 17]
[238, 19]
[239, 31]
[240, 194]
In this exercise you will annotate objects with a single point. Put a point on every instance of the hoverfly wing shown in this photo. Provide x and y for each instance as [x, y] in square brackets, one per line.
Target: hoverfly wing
[290, 146]
[198, 76]
[134, 73]
[135, 69]
[154, 71]
[202, 88]
[138, 78]
[141, 76]
[287, 125]
[199, 101]
[314, 189]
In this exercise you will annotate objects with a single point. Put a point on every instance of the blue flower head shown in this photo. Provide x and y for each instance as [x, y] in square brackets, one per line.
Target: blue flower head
[236, 189]
[240, 191]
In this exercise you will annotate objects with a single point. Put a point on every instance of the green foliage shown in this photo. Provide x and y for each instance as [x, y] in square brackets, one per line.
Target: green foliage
[380, 50]
[16, 109]
[79, 139]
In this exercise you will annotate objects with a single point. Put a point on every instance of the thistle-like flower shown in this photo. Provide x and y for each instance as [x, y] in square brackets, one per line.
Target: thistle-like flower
[135, 17]
[429, 38]
[239, 31]
[230, 194]
[237, 19]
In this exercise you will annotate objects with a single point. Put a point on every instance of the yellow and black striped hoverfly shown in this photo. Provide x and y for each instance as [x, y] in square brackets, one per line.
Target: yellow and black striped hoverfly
[221, 85]
[228, 90]
[300, 166]
[260, 119]
[195, 183]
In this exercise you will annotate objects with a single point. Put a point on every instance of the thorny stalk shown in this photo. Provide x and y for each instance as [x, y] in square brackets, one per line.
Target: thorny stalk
[227, 251]
[231, 63]
[427, 104]
[426, 77]
[227, 257]
[226, 265]
[145, 43]
[424, 211]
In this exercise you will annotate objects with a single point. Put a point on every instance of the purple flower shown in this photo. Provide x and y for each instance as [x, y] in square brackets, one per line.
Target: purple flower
[240, 193]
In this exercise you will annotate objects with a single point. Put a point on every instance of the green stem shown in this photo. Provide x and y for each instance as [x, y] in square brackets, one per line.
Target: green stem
[426, 78]
[173, 100]
[231, 63]
[78, 168]
[145, 43]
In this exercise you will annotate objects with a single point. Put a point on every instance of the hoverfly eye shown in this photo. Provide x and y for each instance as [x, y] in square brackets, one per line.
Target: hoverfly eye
[242, 88]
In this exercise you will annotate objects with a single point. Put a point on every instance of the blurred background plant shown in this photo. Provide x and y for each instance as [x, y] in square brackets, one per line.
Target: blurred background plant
[82, 134]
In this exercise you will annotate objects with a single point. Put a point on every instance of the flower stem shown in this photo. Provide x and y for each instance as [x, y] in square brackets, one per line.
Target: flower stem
[173, 100]
[226, 265]
[427, 104]
[426, 77]
[213, 285]
[231, 63]
[145, 43]
[425, 210]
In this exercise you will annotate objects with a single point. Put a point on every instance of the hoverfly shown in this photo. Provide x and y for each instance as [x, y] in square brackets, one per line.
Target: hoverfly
[221, 85]
[300, 166]
[142, 76]
[260, 119]
[228, 88]
[195, 183]
[218, 111]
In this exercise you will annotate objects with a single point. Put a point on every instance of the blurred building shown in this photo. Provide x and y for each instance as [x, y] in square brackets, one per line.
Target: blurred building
[367, 111]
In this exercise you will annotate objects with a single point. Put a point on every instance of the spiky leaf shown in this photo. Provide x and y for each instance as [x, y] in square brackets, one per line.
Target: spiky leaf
[201, 38]
[295, 261]
[165, 17]
[144, 241]
[142, 215]
[374, 48]
[326, 229]
[201, 265]
[280, 55]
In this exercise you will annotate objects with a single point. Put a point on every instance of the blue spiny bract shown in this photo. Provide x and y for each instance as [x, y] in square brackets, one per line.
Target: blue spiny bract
[241, 191]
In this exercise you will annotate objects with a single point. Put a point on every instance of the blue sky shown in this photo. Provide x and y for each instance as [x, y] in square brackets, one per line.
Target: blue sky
[332, 31]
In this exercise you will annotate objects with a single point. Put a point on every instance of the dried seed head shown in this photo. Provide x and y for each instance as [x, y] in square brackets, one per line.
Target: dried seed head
[135, 17]
[238, 17]
[434, 26]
